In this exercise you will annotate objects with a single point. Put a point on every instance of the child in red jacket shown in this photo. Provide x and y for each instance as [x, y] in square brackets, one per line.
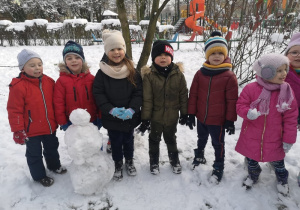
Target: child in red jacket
[212, 99]
[31, 117]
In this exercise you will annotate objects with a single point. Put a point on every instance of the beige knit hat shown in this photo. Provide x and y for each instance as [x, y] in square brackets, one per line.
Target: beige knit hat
[113, 39]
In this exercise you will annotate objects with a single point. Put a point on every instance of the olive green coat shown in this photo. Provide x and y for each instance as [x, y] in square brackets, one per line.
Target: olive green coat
[163, 97]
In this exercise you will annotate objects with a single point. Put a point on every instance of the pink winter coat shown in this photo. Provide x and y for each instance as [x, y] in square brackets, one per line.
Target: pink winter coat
[262, 139]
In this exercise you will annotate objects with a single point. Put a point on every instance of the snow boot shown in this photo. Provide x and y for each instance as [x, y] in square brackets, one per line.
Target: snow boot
[175, 163]
[131, 170]
[61, 170]
[283, 188]
[248, 183]
[218, 168]
[199, 158]
[154, 163]
[46, 181]
[118, 174]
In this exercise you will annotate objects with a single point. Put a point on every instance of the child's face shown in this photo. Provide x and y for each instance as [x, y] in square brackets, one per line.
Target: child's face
[216, 58]
[294, 56]
[116, 55]
[280, 76]
[74, 63]
[33, 67]
[163, 60]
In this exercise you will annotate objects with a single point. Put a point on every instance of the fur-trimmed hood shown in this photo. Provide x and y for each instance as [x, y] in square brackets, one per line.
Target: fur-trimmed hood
[63, 68]
[147, 69]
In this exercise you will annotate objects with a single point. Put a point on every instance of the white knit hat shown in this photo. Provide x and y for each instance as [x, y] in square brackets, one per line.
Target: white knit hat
[266, 66]
[24, 56]
[295, 40]
[113, 39]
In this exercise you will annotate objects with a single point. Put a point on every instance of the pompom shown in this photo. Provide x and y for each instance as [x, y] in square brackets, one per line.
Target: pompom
[215, 33]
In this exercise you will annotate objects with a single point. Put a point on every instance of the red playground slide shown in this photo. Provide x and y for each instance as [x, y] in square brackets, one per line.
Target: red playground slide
[196, 12]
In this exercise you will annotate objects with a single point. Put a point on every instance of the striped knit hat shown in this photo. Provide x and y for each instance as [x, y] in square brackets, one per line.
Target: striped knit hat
[216, 43]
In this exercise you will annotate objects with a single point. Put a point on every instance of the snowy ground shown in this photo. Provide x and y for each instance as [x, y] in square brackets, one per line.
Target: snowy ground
[166, 191]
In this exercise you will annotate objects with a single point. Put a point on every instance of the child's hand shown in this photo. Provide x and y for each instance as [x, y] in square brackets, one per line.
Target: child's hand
[253, 114]
[229, 126]
[127, 114]
[287, 147]
[20, 137]
[65, 126]
[191, 121]
[117, 111]
[145, 125]
[183, 119]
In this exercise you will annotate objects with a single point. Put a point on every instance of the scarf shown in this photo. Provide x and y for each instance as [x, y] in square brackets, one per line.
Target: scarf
[225, 65]
[285, 97]
[116, 72]
[164, 70]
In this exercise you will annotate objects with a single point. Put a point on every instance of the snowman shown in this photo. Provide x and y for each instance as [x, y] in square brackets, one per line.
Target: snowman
[90, 169]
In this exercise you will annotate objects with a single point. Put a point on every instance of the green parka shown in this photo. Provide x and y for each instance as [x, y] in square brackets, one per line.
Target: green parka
[163, 97]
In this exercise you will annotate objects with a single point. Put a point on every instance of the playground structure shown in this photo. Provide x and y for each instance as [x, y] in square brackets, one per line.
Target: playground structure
[197, 9]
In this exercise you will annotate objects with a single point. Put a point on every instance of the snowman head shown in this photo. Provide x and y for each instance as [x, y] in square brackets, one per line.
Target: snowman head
[80, 117]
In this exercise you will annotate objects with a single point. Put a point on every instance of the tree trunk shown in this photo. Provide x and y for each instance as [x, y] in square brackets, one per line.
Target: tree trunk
[155, 12]
[125, 26]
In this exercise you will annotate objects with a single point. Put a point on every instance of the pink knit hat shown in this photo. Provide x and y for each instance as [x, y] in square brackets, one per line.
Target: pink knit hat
[266, 66]
[295, 40]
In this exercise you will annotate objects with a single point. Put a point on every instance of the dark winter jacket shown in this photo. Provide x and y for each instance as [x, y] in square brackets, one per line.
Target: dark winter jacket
[164, 96]
[72, 92]
[30, 105]
[213, 96]
[110, 93]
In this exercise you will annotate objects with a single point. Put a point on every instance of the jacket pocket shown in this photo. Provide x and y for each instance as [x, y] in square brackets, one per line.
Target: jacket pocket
[29, 120]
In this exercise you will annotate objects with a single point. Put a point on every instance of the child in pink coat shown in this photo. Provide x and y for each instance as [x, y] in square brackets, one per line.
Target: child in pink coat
[269, 109]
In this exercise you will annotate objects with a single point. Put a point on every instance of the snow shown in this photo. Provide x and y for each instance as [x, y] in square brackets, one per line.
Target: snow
[189, 190]
[109, 13]
[114, 22]
[36, 21]
[162, 28]
[277, 38]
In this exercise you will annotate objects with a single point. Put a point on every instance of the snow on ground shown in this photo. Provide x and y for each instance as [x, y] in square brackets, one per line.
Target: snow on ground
[166, 191]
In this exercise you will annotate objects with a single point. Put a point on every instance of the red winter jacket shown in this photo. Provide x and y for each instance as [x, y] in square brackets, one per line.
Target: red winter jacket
[213, 98]
[73, 92]
[30, 105]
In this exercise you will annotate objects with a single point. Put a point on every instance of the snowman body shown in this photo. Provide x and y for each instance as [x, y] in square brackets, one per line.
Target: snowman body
[91, 169]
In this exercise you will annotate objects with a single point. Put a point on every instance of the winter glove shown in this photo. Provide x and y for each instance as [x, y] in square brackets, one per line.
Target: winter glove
[98, 123]
[117, 111]
[20, 137]
[190, 121]
[127, 114]
[287, 147]
[253, 114]
[145, 125]
[183, 119]
[229, 126]
[65, 126]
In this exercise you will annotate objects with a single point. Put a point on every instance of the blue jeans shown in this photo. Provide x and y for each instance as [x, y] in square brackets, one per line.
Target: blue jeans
[121, 144]
[217, 133]
[34, 151]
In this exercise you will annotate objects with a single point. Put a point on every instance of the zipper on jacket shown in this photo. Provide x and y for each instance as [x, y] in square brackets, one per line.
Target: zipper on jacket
[29, 120]
[74, 90]
[87, 93]
[44, 100]
[262, 139]
[206, 109]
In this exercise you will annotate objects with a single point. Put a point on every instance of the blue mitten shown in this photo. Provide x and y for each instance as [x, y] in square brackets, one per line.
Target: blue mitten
[127, 114]
[117, 111]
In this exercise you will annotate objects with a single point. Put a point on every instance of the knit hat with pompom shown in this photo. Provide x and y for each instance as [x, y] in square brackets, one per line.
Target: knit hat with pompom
[215, 43]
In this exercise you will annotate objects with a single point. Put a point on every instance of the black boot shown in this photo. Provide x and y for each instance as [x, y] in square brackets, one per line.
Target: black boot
[131, 170]
[218, 168]
[175, 163]
[118, 175]
[199, 158]
[154, 163]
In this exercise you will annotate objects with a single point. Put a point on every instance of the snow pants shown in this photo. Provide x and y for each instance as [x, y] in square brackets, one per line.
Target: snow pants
[34, 151]
[121, 144]
[168, 132]
[217, 133]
